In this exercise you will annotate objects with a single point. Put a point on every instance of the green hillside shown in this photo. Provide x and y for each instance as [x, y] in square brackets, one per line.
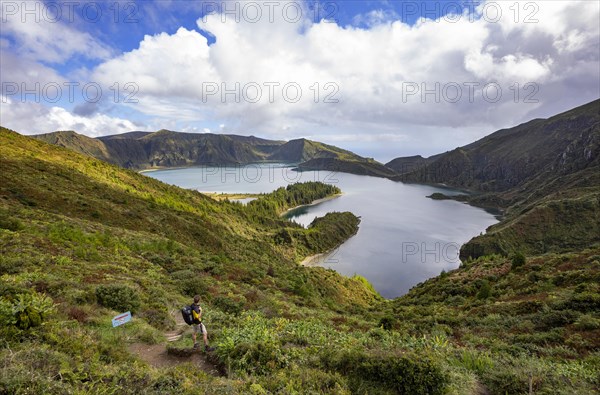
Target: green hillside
[409, 164]
[163, 149]
[509, 159]
[518, 325]
[544, 175]
[360, 167]
[83, 240]
[72, 224]
[301, 150]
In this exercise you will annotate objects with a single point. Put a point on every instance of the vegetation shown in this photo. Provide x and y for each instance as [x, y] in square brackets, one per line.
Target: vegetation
[361, 166]
[438, 196]
[284, 198]
[544, 176]
[533, 324]
[93, 240]
[165, 148]
[83, 240]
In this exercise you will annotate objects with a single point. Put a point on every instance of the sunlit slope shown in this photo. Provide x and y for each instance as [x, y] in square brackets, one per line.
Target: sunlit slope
[43, 178]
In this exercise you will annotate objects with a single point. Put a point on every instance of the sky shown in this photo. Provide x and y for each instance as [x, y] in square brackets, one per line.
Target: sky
[381, 78]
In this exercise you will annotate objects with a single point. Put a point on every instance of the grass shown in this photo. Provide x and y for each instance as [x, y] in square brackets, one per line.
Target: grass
[82, 240]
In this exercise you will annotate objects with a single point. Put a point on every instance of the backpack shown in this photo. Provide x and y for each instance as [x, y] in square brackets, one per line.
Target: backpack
[186, 312]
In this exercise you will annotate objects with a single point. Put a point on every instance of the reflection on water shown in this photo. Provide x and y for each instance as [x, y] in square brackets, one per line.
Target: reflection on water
[404, 237]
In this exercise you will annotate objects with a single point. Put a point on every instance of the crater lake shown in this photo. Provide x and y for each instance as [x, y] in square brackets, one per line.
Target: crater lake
[404, 237]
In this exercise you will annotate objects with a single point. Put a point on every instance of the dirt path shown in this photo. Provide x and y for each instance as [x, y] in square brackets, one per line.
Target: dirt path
[156, 354]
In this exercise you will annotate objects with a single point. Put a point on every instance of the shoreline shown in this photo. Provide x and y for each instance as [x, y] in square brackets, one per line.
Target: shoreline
[196, 166]
[310, 261]
[313, 203]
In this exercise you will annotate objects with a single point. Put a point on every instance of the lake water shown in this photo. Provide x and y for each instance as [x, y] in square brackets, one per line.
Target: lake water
[404, 237]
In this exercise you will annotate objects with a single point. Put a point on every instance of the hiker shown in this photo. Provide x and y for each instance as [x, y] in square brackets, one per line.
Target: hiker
[197, 325]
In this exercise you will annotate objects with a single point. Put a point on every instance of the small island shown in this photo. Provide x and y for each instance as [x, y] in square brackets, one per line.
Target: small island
[439, 196]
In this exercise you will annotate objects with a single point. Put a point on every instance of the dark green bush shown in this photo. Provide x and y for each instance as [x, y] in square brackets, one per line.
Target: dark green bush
[10, 223]
[258, 357]
[584, 302]
[587, 323]
[506, 381]
[387, 322]
[118, 297]
[485, 291]
[408, 373]
[283, 237]
[518, 260]
[190, 283]
[158, 317]
[229, 305]
[552, 319]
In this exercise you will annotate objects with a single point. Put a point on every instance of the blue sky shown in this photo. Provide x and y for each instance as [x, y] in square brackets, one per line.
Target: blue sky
[383, 78]
[123, 24]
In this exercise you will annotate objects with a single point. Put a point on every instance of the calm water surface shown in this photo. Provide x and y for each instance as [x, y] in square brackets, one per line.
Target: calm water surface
[404, 237]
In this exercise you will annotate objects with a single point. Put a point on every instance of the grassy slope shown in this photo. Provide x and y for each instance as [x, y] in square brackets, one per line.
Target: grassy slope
[566, 222]
[70, 225]
[364, 167]
[544, 175]
[537, 322]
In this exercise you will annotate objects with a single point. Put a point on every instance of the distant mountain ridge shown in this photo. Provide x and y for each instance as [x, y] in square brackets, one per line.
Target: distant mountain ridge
[511, 158]
[165, 148]
[544, 173]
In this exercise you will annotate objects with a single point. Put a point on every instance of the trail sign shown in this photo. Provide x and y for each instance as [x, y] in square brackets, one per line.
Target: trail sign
[121, 319]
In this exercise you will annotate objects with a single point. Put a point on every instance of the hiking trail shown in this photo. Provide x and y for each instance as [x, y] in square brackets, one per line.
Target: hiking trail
[157, 356]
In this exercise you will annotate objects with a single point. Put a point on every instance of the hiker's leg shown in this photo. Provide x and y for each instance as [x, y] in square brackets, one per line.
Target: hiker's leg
[194, 331]
[205, 334]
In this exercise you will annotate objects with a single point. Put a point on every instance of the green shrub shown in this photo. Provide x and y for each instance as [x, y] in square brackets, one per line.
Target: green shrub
[229, 305]
[476, 362]
[118, 297]
[485, 291]
[283, 237]
[518, 260]
[25, 311]
[190, 283]
[158, 317]
[506, 380]
[408, 373]
[584, 302]
[553, 318]
[387, 322]
[587, 323]
[9, 223]
[258, 357]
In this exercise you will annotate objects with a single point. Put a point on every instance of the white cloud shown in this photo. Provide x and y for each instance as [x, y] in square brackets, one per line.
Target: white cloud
[372, 70]
[40, 35]
[25, 73]
[34, 118]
